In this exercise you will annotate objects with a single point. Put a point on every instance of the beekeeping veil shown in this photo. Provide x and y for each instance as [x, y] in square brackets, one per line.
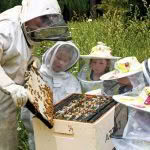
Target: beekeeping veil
[42, 20]
[128, 67]
[49, 57]
[135, 134]
[100, 51]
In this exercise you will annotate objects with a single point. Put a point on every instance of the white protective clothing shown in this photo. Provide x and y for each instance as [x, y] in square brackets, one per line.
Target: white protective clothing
[136, 132]
[62, 83]
[14, 57]
[18, 93]
[44, 7]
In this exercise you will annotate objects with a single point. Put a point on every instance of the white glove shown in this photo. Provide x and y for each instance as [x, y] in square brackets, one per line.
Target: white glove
[18, 93]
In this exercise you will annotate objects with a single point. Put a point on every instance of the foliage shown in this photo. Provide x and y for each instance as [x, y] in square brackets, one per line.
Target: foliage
[6, 4]
[139, 9]
[113, 5]
[130, 39]
[22, 134]
[75, 8]
[40, 48]
[79, 9]
[132, 9]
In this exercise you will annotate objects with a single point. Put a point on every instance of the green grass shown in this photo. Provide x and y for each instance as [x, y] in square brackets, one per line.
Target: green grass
[130, 39]
[22, 134]
[126, 38]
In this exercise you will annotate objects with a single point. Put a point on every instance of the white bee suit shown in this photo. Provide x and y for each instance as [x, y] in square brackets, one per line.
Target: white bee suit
[14, 57]
[62, 83]
[136, 132]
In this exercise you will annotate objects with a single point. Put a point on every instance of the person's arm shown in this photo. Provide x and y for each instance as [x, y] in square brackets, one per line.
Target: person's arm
[7, 85]
[5, 43]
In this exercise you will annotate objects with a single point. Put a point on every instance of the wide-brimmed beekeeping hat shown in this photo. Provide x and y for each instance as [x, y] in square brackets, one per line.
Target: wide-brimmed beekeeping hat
[123, 68]
[100, 51]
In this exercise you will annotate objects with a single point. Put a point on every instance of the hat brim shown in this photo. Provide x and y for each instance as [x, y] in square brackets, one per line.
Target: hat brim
[98, 57]
[113, 75]
[134, 102]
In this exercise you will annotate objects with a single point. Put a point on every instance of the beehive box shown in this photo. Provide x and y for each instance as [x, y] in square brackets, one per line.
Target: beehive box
[75, 135]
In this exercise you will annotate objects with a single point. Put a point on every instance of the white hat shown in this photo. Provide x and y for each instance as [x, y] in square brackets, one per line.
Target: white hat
[123, 68]
[141, 102]
[100, 51]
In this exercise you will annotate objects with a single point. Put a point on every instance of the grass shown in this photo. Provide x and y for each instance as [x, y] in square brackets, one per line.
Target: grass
[125, 37]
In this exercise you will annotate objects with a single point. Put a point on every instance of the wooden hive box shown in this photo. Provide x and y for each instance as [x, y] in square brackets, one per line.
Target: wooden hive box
[74, 135]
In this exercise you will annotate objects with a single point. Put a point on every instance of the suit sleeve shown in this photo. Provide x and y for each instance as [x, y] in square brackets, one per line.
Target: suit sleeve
[5, 42]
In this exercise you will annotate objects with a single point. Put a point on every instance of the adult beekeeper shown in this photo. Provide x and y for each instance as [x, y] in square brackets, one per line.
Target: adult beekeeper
[20, 28]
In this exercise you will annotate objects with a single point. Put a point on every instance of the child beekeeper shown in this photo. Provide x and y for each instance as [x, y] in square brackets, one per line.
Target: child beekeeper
[135, 134]
[55, 63]
[94, 65]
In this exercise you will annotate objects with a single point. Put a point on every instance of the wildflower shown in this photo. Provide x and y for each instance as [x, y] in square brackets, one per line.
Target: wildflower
[18, 129]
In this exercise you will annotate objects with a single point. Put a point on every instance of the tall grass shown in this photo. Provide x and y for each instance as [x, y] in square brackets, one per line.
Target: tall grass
[126, 39]
[130, 39]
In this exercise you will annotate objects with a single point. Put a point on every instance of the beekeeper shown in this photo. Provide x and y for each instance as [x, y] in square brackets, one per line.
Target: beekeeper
[93, 66]
[55, 63]
[130, 128]
[20, 28]
[136, 133]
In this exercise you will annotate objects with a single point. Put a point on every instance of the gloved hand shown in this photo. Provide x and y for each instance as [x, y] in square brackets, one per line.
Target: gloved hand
[18, 93]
